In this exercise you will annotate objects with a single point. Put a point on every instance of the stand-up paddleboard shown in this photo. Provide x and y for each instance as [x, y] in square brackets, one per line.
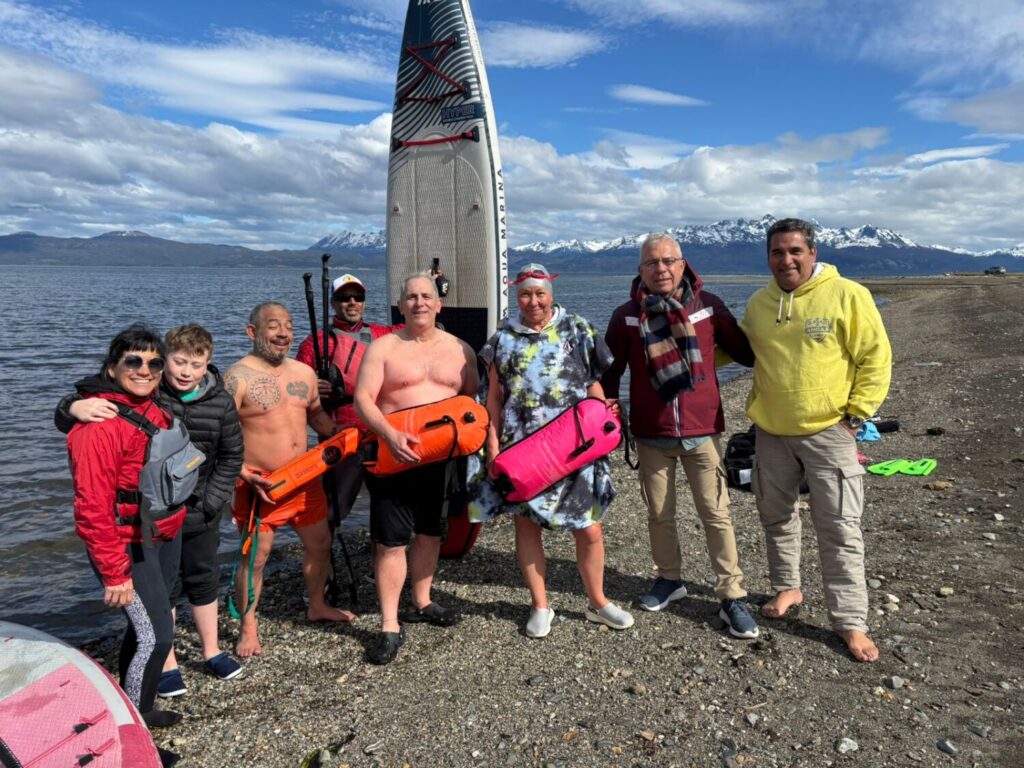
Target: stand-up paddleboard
[58, 707]
[446, 194]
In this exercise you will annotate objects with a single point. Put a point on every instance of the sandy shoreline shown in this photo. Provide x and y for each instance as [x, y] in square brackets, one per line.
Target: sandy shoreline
[676, 689]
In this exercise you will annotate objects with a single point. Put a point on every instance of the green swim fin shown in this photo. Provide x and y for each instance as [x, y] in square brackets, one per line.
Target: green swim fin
[888, 468]
[921, 467]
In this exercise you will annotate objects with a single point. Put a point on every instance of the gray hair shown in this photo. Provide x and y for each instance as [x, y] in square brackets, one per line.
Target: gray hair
[782, 226]
[416, 276]
[257, 312]
[656, 237]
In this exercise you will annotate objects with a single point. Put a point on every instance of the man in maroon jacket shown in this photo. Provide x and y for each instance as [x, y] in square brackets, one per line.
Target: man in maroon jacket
[667, 333]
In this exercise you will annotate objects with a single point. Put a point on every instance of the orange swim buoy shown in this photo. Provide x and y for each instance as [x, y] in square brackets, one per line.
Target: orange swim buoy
[447, 429]
[313, 463]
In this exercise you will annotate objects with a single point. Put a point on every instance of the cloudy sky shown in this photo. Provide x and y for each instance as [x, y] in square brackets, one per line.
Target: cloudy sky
[265, 123]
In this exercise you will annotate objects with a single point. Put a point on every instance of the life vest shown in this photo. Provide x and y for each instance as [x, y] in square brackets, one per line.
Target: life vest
[170, 472]
[312, 464]
[347, 350]
[578, 436]
[456, 426]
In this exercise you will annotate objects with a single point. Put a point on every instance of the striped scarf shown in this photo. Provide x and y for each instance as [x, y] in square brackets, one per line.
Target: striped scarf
[670, 341]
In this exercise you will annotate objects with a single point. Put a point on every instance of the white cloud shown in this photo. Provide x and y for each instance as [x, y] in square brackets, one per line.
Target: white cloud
[630, 150]
[388, 9]
[956, 153]
[505, 44]
[683, 13]
[641, 94]
[1000, 110]
[950, 200]
[72, 166]
[944, 41]
[262, 81]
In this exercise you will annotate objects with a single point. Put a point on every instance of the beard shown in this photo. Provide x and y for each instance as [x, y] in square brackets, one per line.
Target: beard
[263, 350]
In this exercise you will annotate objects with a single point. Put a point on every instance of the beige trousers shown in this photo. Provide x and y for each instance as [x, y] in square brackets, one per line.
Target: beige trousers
[828, 461]
[703, 468]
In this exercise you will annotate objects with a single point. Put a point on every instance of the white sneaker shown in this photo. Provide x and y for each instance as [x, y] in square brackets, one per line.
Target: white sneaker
[611, 615]
[539, 624]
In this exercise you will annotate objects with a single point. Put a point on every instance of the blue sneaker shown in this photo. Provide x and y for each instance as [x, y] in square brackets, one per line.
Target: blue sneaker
[223, 666]
[741, 623]
[171, 684]
[662, 593]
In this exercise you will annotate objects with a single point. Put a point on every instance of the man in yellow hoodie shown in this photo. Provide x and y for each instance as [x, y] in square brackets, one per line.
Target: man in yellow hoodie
[823, 367]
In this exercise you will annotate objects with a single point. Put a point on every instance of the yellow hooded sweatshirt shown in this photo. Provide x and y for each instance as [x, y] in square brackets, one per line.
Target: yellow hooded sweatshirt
[822, 352]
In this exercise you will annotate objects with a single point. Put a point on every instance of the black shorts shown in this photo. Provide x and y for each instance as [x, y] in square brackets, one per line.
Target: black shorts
[408, 503]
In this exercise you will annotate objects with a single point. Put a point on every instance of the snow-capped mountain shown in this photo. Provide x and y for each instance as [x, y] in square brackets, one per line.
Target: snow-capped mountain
[121, 233]
[351, 241]
[732, 246]
[731, 232]
[1016, 251]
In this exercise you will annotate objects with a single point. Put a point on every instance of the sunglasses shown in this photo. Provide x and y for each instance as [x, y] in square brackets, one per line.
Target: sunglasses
[135, 363]
[350, 297]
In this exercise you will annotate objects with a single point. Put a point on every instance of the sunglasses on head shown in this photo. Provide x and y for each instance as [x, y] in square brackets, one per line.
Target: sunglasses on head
[135, 363]
[345, 298]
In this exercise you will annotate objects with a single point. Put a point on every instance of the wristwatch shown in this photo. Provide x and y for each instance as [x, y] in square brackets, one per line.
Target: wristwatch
[853, 421]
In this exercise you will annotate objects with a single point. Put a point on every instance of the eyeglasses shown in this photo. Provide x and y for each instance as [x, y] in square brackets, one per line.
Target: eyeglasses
[135, 363]
[667, 262]
[349, 297]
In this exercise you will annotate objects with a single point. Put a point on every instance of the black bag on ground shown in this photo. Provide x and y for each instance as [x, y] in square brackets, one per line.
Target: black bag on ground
[739, 459]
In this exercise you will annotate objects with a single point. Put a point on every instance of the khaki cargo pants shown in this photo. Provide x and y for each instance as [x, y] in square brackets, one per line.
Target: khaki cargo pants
[703, 468]
[828, 461]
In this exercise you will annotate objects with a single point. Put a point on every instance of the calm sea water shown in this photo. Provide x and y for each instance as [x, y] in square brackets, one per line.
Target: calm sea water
[58, 323]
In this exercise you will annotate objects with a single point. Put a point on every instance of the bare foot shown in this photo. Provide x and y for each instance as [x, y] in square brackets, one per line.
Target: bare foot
[327, 613]
[862, 648]
[248, 644]
[777, 607]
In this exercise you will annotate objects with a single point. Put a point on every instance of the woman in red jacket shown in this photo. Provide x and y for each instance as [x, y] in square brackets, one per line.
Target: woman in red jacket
[106, 458]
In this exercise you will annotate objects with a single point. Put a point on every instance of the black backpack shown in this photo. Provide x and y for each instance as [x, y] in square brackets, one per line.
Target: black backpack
[740, 452]
[169, 473]
[739, 459]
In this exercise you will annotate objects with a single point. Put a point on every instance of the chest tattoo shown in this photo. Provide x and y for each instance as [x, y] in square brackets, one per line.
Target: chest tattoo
[299, 389]
[262, 390]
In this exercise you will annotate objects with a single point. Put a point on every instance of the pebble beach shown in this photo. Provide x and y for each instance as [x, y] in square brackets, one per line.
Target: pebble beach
[945, 572]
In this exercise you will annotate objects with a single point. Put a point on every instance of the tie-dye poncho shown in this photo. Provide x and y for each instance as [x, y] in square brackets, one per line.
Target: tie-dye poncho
[542, 373]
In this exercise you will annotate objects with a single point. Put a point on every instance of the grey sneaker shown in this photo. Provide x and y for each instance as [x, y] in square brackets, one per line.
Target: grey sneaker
[741, 623]
[662, 593]
[611, 615]
[540, 622]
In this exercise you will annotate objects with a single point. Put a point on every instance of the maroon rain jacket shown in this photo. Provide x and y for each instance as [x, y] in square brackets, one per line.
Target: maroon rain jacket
[689, 414]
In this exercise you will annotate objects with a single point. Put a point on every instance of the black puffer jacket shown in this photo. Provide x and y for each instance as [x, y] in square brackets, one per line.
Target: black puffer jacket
[213, 426]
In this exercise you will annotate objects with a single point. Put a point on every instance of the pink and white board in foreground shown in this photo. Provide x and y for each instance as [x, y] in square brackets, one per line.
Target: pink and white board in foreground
[58, 707]
[578, 436]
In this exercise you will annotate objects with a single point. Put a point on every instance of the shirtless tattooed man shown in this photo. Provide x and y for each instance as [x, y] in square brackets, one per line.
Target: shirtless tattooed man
[276, 398]
[419, 364]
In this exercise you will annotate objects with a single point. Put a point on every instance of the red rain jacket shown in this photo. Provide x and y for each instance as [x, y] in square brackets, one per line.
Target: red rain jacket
[348, 346]
[106, 457]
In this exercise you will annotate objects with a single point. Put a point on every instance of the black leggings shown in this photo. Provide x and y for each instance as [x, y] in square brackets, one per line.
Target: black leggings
[150, 632]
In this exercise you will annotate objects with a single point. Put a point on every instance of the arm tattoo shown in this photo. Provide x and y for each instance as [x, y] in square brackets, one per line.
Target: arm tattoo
[231, 383]
[299, 389]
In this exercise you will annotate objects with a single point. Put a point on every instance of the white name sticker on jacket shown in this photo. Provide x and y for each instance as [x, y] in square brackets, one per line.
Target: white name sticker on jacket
[704, 314]
[634, 321]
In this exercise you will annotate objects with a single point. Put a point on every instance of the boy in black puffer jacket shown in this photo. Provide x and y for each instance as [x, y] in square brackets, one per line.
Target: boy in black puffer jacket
[193, 391]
